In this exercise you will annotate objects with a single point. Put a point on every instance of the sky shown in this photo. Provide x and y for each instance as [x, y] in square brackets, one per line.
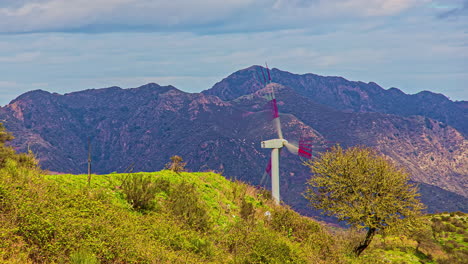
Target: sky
[70, 45]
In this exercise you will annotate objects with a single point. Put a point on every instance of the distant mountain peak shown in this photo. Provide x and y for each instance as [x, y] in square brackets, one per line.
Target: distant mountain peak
[345, 95]
[34, 93]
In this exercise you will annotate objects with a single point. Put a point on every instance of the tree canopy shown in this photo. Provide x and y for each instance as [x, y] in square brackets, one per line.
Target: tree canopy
[363, 188]
[7, 152]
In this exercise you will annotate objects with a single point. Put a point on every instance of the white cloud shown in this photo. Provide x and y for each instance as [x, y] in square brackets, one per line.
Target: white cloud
[8, 84]
[380, 7]
[348, 8]
[186, 15]
[68, 15]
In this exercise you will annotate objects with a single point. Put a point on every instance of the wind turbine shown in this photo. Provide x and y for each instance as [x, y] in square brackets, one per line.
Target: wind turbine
[303, 150]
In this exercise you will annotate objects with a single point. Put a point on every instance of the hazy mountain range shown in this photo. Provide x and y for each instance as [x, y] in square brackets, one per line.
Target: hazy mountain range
[221, 128]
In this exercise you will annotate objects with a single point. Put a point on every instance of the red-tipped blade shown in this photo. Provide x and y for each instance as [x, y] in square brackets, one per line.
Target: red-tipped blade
[305, 148]
[268, 168]
[273, 108]
[304, 154]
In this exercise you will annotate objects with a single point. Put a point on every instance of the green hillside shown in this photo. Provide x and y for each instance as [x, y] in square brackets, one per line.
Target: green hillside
[166, 217]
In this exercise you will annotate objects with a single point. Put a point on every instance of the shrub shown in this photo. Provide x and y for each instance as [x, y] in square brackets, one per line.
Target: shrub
[83, 257]
[264, 193]
[176, 165]
[458, 223]
[139, 191]
[26, 160]
[260, 245]
[292, 224]
[185, 203]
[162, 185]
[247, 211]
[268, 249]
[438, 226]
[449, 228]
[201, 246]
[239, 190]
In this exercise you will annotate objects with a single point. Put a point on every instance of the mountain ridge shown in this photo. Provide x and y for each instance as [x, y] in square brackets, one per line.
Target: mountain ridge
[346, 95]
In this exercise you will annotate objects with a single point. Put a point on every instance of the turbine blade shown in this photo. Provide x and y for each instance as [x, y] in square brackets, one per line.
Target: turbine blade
[268, 168]
[292, 148]
[305, 148]
[274, 114]
[277, 124]
[274, 109]
[305, 154]
[268, 70]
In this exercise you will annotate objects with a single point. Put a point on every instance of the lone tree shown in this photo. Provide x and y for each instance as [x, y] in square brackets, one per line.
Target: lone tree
[176, 165]
[363, 188]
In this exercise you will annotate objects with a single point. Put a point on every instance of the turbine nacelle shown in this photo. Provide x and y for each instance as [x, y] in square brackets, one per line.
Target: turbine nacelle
[274, 143]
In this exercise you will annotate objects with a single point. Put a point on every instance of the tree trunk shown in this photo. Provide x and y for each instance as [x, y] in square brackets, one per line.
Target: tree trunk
[363, 245]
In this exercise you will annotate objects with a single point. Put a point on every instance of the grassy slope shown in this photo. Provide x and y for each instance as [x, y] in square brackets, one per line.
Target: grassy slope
[194, 218]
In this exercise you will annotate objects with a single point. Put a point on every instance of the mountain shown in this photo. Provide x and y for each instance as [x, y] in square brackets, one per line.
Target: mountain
[350, 96]
[221, 128]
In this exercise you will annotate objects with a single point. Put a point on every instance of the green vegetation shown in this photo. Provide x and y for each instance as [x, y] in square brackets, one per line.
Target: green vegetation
[361, 187]
[58, 219]
[8, 153]
[169, 217]
[193, 217]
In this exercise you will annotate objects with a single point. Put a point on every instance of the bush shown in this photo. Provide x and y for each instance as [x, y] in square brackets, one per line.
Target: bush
[293, 225]
[247, 211]
[445, 218]
[458, 223]
[449, 228]
[83, 257]
[185, 203]
[26, 160]
[176, 165]
[139, 191]
[268, 249]
[260, 245]
[162, 185]
[437, 226]
[264, 193]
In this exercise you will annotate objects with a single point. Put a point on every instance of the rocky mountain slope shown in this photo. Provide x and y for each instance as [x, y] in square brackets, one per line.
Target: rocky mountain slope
[220, 129]
[349, 96]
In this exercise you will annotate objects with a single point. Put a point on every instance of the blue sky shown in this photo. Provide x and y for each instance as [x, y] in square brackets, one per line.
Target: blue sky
[69, 45]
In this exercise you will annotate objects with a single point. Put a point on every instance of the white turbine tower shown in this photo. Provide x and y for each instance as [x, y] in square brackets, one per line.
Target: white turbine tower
[278, 143]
